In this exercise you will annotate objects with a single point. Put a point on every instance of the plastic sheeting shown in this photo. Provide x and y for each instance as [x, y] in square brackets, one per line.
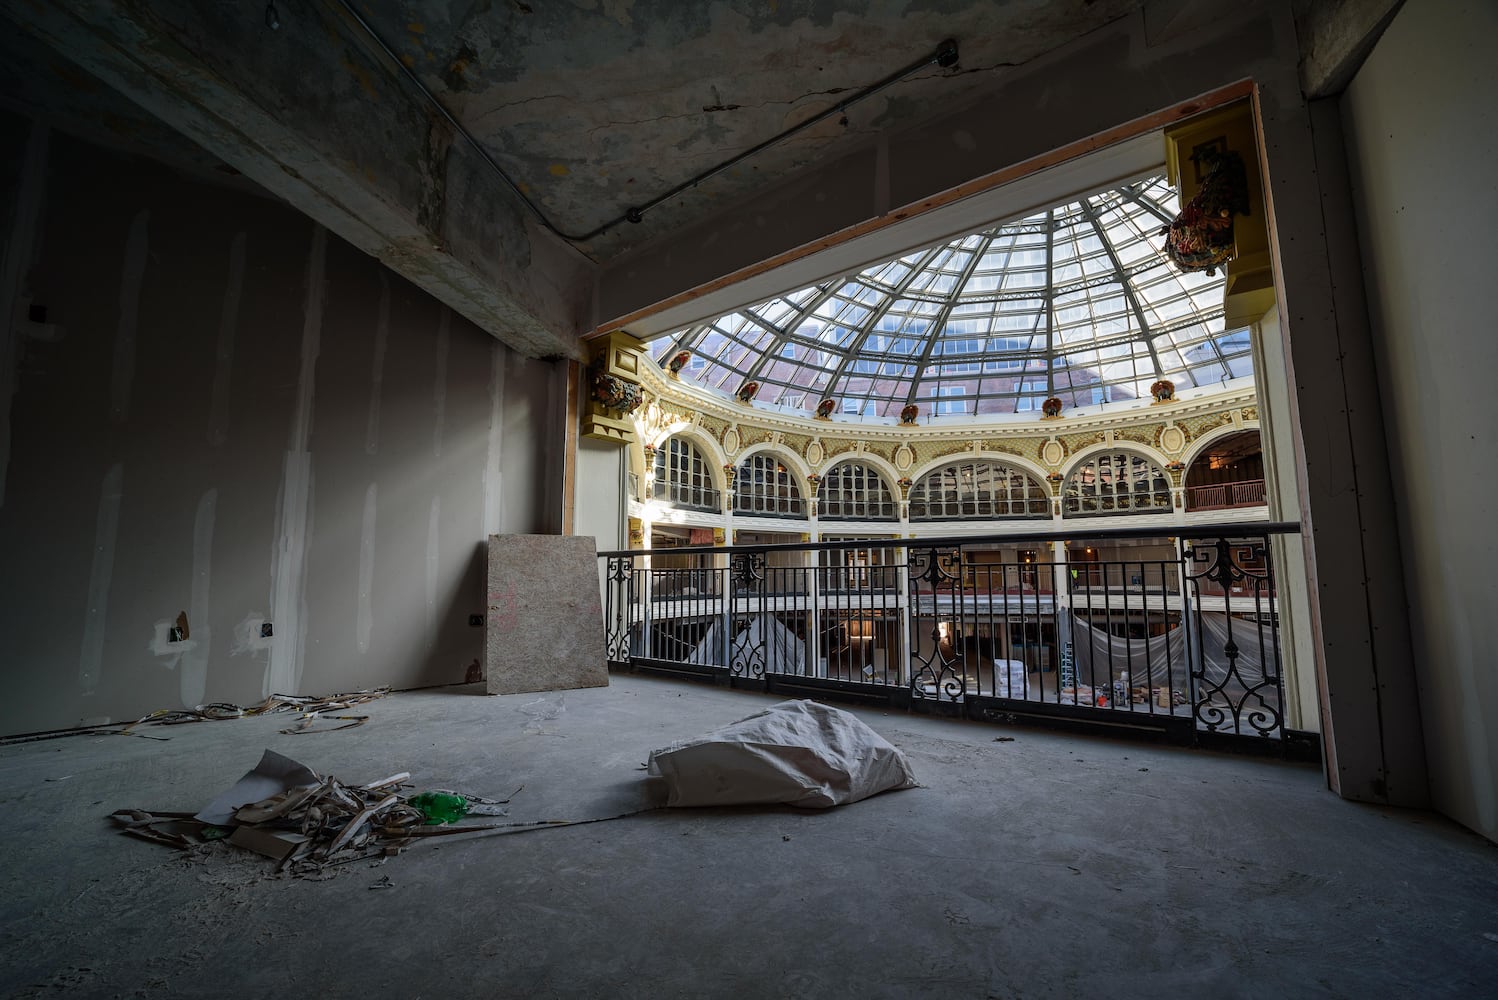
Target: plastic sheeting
[767, 641]
[1148, 661]
[797, 753]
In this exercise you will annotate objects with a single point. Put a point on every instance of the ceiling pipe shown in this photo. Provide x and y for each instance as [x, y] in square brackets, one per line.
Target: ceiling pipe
[945, 56]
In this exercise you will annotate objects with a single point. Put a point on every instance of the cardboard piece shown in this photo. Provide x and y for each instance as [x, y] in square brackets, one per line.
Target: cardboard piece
[271, 843]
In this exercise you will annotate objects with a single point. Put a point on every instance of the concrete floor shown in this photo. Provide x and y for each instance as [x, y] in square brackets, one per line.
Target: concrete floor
[1050, 866]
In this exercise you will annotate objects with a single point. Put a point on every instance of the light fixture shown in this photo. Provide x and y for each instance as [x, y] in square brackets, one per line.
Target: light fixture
[272, 17]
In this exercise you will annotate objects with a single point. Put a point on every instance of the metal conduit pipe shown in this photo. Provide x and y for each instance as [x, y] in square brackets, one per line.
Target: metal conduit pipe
[944, 55]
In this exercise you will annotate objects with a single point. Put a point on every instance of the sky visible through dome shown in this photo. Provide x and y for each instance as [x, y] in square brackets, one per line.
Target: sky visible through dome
[1077, 301]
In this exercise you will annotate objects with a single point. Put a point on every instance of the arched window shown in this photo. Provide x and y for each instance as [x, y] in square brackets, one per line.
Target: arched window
[1116, 483]
[1228, 472]
[852, 491]
[764, 486]
[977, 489]
[683, 478]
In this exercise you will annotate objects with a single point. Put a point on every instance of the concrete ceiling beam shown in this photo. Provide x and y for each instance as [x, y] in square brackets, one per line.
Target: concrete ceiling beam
[308, 112]
[1335, 37]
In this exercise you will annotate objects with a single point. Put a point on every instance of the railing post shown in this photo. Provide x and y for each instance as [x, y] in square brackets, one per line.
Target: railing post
[723, 570]
[1189, 624]
[812, 559]
[903, 600]
[645, 595]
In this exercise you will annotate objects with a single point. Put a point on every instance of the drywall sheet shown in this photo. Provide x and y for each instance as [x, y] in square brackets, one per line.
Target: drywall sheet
[545, 627]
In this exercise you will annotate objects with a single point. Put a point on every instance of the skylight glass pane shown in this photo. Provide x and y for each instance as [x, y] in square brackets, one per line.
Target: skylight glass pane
[1077, 300]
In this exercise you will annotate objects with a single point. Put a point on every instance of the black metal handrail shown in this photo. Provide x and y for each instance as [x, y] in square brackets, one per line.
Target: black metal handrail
[1070, 534]
[1181, 640]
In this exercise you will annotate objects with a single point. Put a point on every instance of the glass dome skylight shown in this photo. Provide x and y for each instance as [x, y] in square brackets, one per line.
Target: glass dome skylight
[1077, 301]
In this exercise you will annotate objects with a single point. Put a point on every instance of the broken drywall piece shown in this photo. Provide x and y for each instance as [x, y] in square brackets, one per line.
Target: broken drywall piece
[274, 775]
[276, 844]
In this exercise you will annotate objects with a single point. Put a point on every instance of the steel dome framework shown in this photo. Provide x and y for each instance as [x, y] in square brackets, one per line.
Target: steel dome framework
[1076, 301]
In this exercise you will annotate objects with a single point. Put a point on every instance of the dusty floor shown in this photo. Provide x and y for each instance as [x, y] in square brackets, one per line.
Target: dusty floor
[1051, 865]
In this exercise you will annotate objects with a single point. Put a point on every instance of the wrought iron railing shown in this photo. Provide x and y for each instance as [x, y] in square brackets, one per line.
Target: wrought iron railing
[1182, 640]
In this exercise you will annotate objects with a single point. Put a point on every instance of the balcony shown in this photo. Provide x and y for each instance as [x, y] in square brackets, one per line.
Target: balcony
[688, 497]
[1222, 496]
[753, 505]
[1182, 643]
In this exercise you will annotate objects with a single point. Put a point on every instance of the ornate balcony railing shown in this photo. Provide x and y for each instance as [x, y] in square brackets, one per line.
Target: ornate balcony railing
[689, 496]
[755, 505]
[1182, 642]
[1249, 493]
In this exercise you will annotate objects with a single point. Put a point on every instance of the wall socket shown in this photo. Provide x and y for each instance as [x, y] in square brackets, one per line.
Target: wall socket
[475, 621]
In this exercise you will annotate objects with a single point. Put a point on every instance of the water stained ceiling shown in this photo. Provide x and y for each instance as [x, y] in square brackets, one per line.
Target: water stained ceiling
[596, 107]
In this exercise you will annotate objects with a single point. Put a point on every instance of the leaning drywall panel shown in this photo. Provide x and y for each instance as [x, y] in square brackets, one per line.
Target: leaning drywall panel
[545, 626]
[1420, 126]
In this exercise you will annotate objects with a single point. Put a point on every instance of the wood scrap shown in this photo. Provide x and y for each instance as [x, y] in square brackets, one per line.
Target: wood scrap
[308, 724]
[361, 820]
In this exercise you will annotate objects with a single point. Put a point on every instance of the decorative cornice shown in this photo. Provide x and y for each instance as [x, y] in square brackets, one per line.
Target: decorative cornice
[673, 401]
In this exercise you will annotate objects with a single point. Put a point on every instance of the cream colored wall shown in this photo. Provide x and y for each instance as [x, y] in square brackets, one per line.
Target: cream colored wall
[1302, 706]
[601, 489]
[1420, 126]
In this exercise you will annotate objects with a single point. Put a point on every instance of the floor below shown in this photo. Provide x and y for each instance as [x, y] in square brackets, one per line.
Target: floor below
[1046, 865]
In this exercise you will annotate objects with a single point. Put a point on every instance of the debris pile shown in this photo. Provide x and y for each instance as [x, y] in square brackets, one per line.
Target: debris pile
[313, 711]
[285, 811]
[311, 707]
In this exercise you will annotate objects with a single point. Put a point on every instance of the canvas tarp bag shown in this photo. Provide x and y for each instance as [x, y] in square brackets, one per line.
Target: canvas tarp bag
[797, 753]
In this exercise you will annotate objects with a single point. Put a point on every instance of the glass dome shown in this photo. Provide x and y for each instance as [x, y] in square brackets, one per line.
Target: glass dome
[1077, 301]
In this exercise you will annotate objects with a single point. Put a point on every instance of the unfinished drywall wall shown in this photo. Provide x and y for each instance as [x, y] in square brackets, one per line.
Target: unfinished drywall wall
[212, 408]
[1420, 131]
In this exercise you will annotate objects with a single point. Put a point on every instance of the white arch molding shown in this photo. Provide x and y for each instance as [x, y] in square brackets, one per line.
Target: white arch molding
[1196, 447]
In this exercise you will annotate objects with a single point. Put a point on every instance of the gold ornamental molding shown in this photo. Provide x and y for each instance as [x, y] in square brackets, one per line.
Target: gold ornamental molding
[910, 448]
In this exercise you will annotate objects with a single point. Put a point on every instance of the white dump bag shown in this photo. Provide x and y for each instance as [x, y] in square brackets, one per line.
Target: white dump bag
[797, 752]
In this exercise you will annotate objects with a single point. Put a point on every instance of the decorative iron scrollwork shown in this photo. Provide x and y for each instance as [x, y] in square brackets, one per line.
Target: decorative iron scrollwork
[1234, 699]
[748, 569]
[619, 572]
[936, 675]
[934, 566]
[746, 656]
